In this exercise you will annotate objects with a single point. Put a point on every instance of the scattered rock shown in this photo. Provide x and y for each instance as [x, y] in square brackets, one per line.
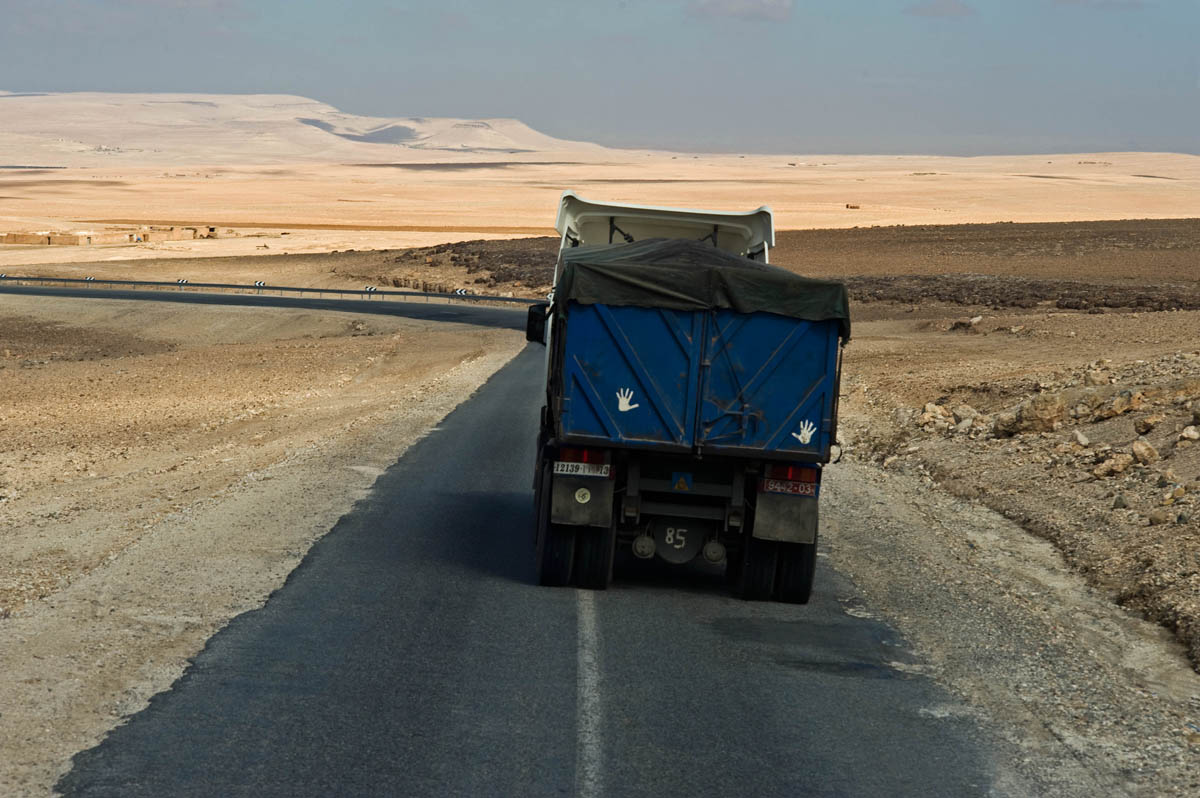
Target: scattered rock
[1178, 391]
[1042, 413]
[964, 413]
[1159, 516]
[1191, 433]
[1122, 403]
[1082, 439]
[1145, 425]
[1167, 477]
[935, 418]
[1095, 378]
[1119, 502]
[1143, 452]
[1117, 464]
[936, 410]
[1004, 425]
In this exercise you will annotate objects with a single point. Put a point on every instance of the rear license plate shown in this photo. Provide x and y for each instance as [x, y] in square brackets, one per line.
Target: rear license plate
[789, 487]
[581, 469]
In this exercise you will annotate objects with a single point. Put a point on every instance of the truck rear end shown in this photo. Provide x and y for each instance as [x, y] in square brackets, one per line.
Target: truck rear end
[691, 400]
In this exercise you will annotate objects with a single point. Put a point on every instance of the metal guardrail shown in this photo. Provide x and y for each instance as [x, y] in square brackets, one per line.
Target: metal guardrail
[367, 293]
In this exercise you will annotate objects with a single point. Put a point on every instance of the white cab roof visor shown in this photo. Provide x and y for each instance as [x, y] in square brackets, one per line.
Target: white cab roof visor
[582, 223]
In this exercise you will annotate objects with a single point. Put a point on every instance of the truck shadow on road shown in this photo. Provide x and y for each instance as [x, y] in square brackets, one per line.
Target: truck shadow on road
[493, 536]
[491, 533]
[695, 577]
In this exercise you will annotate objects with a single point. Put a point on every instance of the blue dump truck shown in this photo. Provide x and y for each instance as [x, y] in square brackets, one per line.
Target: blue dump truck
[691, 398]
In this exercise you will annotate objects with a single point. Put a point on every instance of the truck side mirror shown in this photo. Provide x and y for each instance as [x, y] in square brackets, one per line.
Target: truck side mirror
[535, 323]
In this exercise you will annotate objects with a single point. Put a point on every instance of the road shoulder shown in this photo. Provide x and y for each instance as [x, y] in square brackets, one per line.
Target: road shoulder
[1097, 700]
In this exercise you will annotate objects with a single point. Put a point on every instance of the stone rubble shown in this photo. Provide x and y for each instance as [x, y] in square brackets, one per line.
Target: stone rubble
[1064, 440]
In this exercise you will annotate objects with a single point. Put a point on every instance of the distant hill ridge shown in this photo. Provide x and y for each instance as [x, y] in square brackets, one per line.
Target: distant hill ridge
[91, 129]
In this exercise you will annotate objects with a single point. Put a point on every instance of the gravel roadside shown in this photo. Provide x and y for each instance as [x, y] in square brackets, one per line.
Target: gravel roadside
[1096, 700]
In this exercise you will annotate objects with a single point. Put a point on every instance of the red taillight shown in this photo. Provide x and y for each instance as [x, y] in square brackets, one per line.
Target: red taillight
[574, 454]
[793, 473]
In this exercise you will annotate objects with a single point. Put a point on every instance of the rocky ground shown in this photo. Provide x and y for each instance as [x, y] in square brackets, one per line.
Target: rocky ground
[1100, 459]
[1121, 252]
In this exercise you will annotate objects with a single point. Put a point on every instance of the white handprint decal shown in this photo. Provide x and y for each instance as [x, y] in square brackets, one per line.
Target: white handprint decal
[807, 428]
[623, 397]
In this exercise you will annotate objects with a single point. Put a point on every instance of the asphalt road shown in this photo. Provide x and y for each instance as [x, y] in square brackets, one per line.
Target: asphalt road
[437, 310]
[411, 654]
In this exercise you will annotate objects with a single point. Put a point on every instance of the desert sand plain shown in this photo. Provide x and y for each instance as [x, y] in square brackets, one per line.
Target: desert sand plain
[333, 206]
[1001, 371]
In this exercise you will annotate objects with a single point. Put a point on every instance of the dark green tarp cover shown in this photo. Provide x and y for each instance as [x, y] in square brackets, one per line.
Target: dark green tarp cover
[682, 274]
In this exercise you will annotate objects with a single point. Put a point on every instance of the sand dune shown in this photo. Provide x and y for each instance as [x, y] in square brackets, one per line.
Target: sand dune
[93, 129]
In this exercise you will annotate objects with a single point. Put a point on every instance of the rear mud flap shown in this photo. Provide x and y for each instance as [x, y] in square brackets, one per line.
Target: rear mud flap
[581, 501]
[791, 519]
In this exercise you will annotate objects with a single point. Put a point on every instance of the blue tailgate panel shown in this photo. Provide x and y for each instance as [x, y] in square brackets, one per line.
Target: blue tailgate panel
[650, 356]
[638, 376]
[770, 385]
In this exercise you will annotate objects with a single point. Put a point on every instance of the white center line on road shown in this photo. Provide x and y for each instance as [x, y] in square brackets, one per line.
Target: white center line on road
[587, 712]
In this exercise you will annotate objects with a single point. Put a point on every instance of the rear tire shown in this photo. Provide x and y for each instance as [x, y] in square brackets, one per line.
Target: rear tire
[797, 565]
[556, 556]
[733, 569]
[555, 544]
[539, 481]
[760, 561]
[594, 550]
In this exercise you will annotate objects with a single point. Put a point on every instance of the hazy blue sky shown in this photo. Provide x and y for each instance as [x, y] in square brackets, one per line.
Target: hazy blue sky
[887, 76]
